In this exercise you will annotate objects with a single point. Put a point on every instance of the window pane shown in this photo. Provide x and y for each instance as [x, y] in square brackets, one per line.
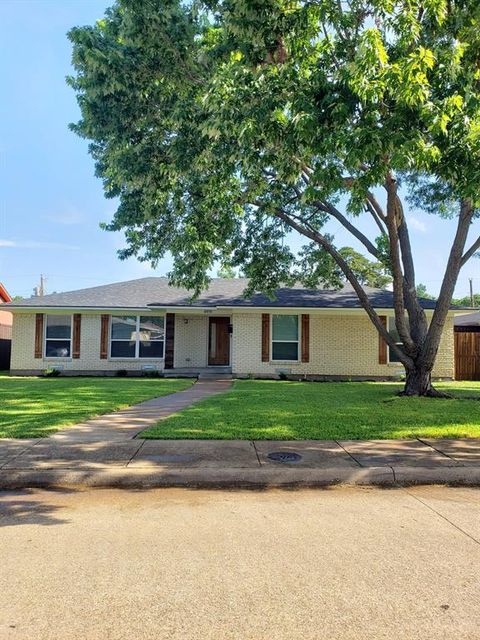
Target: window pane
[392, 356]
[392, 329]
[151, 328]
[59, 326]
[124, 327]
[122, 349]
[284, 327]
[151, 349]
[57, 348]
[285, 351]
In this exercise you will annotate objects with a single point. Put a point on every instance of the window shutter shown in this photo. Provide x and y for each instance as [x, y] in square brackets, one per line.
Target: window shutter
[305, 337]
[382, 345]
[104, 337]
[169, 340]
[265, 337]
[77, 324]
[39, 335]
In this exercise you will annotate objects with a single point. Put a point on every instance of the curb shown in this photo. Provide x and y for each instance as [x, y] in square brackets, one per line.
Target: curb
[262, 478]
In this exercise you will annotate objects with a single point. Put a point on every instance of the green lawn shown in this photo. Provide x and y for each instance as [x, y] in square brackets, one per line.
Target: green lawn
[36, 407]
[266, 409]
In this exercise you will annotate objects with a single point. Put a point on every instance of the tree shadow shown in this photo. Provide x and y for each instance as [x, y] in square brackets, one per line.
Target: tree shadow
[28, 507]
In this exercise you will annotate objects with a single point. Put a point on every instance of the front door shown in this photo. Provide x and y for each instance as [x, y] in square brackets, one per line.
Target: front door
[218, 341]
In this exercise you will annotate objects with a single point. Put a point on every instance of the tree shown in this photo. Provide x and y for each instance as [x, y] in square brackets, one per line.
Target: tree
[423, 293]
[225, 126]
[467, 302]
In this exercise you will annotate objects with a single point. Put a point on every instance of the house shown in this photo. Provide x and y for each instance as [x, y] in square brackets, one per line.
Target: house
[467, 346]
[145, 325]
[5, 330]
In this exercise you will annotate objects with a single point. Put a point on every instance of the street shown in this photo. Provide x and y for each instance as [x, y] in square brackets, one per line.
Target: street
[331, 564]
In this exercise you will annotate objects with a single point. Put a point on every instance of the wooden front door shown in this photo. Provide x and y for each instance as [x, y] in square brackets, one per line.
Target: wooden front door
[218, 341]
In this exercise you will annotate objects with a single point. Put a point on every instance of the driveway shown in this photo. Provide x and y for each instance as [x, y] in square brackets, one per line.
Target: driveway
[178, 564]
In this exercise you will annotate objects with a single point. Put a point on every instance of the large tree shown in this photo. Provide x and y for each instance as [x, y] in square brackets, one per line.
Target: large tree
[224, 126]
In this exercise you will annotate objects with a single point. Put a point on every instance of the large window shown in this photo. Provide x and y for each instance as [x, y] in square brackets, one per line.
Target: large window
[58, 336]
[137, 337]
[392, 330]
[284, 337]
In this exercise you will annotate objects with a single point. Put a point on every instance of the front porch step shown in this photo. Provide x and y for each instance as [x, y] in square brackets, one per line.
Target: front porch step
[215, 376]
[202, 373]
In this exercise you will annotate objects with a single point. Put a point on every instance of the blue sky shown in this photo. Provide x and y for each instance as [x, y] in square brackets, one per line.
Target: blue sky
[51, 203]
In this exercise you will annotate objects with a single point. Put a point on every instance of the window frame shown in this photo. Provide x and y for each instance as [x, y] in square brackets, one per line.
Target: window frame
[298, 341]
[137, 338]
[391, 320]
[45, 339]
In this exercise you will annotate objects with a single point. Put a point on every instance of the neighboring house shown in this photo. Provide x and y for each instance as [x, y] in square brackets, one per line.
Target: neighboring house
[468, 320]
[145, 324]
[5, 330]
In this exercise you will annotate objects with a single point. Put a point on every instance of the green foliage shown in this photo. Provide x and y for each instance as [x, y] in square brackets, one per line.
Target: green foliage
[467, 302]
[208, 118]
[423, 293]
[52, 373]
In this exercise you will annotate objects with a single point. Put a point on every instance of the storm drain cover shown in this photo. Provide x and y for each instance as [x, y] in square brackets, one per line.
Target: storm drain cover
[285, 456]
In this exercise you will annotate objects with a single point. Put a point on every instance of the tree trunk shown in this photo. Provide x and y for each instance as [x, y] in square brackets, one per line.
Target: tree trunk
[419, 383]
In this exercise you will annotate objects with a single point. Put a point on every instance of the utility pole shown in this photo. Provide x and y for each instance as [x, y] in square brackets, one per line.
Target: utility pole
[472, 297]
[39, 291]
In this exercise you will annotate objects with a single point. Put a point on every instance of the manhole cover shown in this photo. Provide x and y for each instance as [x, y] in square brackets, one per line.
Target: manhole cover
[284, 456]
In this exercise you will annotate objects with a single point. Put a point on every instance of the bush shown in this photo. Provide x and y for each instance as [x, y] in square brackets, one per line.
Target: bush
[121, 373]
[51, 373]
[151, 374]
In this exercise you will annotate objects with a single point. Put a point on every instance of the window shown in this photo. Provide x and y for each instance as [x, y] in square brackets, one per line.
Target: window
[58, 336]
[137, 337]
[284, 337]
[392, 330]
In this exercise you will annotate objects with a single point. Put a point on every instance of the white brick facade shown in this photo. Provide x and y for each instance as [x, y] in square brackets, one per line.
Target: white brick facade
[344, 345]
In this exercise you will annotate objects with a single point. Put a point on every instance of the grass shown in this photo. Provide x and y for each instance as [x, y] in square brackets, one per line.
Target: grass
[264, 410]
[37, 407]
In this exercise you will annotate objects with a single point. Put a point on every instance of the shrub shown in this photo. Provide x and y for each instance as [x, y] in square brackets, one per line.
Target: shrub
[121, 373]
[51, 373]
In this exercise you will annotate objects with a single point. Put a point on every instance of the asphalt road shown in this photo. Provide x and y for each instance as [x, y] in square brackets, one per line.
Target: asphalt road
[177, 564]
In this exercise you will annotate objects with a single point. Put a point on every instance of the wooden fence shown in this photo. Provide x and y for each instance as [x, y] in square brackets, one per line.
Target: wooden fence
[467, 353]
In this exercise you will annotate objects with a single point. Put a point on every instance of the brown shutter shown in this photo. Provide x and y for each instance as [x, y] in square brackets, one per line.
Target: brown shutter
[265, 337]
[77, 324]
[305, 337]
[382, 345]
[169, 340]
[39, 335]
[104, 337]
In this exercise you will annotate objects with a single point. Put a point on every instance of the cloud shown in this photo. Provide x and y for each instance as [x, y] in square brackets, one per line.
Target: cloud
[32, 244]
[417, 224]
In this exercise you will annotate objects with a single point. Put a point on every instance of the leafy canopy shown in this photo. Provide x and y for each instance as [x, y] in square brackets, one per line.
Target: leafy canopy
[208, 119]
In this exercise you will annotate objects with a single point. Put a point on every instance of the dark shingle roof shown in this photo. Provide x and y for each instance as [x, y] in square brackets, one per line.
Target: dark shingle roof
[155, 292]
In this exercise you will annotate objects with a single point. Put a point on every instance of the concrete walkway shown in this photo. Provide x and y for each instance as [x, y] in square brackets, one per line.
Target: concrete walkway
[106, 452]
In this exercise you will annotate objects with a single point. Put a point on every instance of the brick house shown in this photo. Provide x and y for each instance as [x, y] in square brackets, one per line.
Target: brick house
[145, 325]
[5, 330]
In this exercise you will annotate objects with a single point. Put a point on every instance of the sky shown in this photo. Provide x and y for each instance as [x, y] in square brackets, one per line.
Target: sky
[50, 202]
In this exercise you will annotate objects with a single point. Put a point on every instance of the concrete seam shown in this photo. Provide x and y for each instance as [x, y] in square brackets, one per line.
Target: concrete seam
[135, 453]
[440, 515]
[439, 451]
[349, 454]
[256, 453]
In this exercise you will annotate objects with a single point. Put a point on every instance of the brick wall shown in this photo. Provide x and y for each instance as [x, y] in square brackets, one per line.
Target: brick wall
[339, 346]
[190, 349]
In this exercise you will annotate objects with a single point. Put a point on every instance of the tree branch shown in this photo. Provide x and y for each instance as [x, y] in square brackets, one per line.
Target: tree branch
[317, 237]
[452, 270]
[468, 254]
[397, 273]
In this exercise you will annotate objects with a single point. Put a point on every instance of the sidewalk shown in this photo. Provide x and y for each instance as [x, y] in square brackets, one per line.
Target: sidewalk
[104, 452]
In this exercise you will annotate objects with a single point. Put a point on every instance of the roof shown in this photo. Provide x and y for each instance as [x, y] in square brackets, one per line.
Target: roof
[469, 319]
[4, 295]
[155, 292]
